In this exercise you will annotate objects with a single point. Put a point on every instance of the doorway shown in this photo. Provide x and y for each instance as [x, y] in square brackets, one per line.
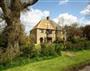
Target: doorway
[41, 40]
[49, 39]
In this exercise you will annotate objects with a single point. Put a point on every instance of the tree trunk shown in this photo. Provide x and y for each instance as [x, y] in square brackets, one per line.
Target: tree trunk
[13, 33]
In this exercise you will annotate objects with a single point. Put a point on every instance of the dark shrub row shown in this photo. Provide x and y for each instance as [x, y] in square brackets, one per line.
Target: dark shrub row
[30, 51]
[78, 45]
[45, 50]
[53, 49]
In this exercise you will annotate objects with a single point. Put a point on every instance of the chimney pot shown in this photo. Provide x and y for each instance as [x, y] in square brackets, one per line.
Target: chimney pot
[47, 18]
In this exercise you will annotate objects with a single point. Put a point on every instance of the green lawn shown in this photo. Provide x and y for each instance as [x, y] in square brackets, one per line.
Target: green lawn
[55, 64]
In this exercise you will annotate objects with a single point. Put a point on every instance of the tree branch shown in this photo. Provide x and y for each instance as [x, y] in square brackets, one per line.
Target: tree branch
[30, 2]
[0, 2]
[15, 5]
[2, 17]
[5, 9]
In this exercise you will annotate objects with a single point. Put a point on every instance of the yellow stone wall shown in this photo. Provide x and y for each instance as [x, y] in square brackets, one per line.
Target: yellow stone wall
[43, 35]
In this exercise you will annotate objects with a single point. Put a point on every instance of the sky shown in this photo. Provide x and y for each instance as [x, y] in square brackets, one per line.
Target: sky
[60, 11]
[61, 6]
[63, 12]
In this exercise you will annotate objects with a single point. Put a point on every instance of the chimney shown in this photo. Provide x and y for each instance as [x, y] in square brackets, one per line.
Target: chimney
[47, 17]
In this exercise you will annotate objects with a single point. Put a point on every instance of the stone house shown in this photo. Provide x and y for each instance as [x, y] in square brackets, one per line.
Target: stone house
[46, 30]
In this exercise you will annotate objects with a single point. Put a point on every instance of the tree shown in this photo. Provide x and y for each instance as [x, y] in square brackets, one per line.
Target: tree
[73, 31]
[86, 31]
[13, 32]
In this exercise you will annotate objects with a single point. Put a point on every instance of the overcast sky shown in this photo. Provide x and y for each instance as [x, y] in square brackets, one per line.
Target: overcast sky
[70, 10]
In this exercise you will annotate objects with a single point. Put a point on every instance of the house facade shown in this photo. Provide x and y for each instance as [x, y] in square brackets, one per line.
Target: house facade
[46, 31]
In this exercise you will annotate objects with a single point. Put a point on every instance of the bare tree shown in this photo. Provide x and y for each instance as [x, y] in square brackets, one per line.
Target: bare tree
[13, 32]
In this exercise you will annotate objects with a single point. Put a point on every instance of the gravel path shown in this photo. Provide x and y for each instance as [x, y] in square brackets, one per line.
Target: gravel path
[87, 68]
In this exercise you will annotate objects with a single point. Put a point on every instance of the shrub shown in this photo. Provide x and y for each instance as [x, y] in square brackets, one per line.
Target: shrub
[87, 45]
[28, 51]
[8, 54]
[50, 49]
[80, 45]
[43, 49]
[58, 48]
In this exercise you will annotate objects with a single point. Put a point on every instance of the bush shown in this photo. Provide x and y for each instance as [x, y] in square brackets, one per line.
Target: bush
[8, 54]
[87, 45]
[43, 49]
[50, 49]
[80, 45]
[28, 51]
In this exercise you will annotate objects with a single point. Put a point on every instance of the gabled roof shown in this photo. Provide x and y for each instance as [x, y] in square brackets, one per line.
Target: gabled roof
[57, 26]
[47, 24]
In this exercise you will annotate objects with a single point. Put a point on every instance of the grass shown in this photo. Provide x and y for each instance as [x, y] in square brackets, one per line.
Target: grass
[55, 64]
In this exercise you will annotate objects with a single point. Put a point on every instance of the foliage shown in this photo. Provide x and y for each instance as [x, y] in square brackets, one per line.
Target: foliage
[61, 63]
[78, 45]
[13, 33]
[86, 31]
[73, 32]
[8, 54]
[50, 49]
[28, 51]
[1, 40]
[58, 48]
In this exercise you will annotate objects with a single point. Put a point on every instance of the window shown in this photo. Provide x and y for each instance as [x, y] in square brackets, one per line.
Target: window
[49, 31]
[42, 31]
